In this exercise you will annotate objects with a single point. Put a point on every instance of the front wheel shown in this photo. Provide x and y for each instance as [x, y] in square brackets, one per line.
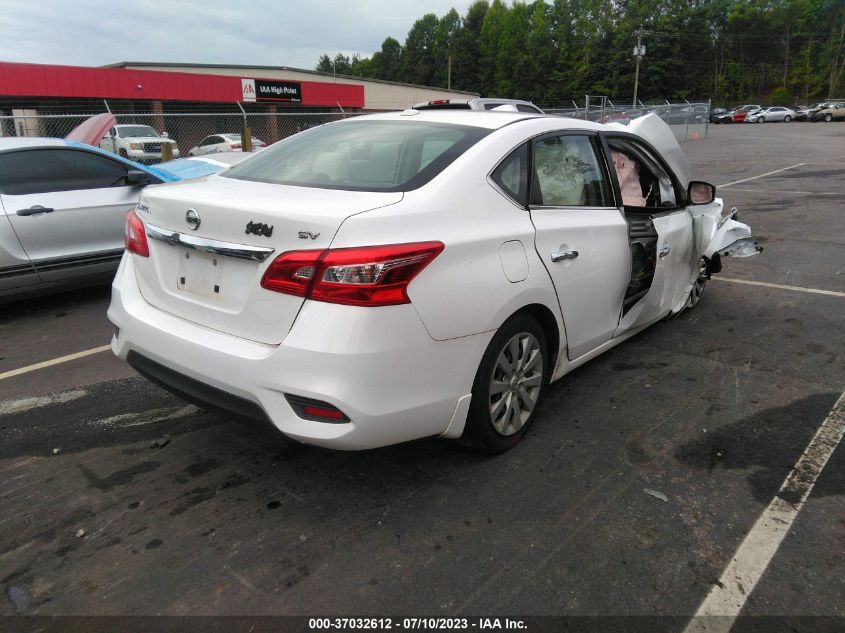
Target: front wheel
[508, 387]
[787, 119]
[698, 287]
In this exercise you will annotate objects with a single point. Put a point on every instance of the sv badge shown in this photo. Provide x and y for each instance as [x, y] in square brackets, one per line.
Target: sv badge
[304, 235]
[259, 228]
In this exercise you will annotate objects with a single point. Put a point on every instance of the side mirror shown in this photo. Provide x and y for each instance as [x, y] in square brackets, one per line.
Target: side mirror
[137, 178]
[701, 192]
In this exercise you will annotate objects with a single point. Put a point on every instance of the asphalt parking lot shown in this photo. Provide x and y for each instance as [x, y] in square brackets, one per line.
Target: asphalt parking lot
[641, 478]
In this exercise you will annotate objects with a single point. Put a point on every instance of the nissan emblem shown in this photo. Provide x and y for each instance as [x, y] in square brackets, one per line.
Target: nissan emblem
[192, 219]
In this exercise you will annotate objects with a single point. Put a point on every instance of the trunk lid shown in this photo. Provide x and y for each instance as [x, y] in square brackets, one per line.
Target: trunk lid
[205, 285]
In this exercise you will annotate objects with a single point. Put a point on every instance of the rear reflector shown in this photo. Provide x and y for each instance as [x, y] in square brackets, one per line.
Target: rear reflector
[361, 276]
[315, 410]
[135, 237]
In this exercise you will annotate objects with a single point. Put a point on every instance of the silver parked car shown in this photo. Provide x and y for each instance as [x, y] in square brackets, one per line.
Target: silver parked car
[478, 103]
[767, 115]
[63, 206]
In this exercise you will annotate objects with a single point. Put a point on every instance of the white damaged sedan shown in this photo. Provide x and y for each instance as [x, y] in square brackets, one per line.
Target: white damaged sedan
[397, 276]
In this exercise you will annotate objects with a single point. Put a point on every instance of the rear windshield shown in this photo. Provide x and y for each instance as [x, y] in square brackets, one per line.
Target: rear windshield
[361, 155]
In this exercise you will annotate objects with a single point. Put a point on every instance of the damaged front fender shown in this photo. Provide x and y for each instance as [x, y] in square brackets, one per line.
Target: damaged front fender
[716, 235]
[732, 239]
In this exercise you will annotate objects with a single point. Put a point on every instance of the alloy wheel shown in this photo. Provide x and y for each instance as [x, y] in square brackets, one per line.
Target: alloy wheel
[515, 383]
[698, 286]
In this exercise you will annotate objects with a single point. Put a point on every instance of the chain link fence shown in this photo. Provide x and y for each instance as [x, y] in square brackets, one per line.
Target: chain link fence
[688, 120]
[188, 130]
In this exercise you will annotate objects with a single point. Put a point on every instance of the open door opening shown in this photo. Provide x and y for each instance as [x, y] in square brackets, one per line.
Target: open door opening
[646, 191]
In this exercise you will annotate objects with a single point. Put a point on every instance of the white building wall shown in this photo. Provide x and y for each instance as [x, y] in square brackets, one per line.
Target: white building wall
[378, 95]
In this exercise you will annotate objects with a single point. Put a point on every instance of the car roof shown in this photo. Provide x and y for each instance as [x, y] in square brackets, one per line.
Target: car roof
[489, 119]
[8, 143]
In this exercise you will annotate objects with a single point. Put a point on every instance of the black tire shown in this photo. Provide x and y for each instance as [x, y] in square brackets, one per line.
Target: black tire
[787, 119]
[699, 285]
[480, 434]
[123, 153]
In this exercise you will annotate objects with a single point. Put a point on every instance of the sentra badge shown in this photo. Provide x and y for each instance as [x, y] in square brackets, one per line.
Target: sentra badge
[259, 228]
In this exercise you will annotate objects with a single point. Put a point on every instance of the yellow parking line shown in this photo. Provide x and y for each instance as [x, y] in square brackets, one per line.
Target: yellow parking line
[54, 361]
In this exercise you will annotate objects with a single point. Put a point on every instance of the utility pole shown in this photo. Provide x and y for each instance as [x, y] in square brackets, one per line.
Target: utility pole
[639, 53]
[449, 74]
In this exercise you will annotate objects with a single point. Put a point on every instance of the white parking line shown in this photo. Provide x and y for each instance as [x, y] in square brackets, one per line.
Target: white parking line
[55, 361]
[816, 291]
[9, 407]
[768, 173]
[126, 420]
[728, 596]
[788, 192]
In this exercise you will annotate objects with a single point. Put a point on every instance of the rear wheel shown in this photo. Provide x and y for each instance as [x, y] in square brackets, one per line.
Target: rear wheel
[787, 119]
[828, 117]
[761, 120]
[508, 387]
[123, 153]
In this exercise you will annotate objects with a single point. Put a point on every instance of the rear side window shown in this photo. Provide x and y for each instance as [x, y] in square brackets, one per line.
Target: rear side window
[512, 175]
[361, 155]
[40, 170]
[567, 173]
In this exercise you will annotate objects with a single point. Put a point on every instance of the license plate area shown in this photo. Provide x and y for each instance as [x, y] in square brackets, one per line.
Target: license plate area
[200, 273]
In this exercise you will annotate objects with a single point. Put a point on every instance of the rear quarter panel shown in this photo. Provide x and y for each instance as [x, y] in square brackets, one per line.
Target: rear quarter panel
[465, 290]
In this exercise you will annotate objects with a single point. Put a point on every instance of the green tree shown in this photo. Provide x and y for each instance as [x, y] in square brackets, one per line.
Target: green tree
[420, 51]
[445, 45]
[559, 50]
[513, 64]
[488, 45]
[388, 62]
[541, 55]
[467, 57]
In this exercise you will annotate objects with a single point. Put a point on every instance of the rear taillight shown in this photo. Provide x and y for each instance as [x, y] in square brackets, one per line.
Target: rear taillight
[361, 276]
[236, 145]
[135, 237]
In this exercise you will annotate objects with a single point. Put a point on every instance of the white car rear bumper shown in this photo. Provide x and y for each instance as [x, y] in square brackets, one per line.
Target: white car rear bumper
[379, 366]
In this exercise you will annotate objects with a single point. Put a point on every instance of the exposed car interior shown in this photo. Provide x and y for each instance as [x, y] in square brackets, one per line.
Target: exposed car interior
[646, 189]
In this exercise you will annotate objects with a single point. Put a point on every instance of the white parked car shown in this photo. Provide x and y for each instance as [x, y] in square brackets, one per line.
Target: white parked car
[404, 275]
[222, 143]
[776, 113]
[137, 142]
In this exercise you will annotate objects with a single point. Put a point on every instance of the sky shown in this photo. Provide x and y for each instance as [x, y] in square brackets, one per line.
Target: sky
[290, 33]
